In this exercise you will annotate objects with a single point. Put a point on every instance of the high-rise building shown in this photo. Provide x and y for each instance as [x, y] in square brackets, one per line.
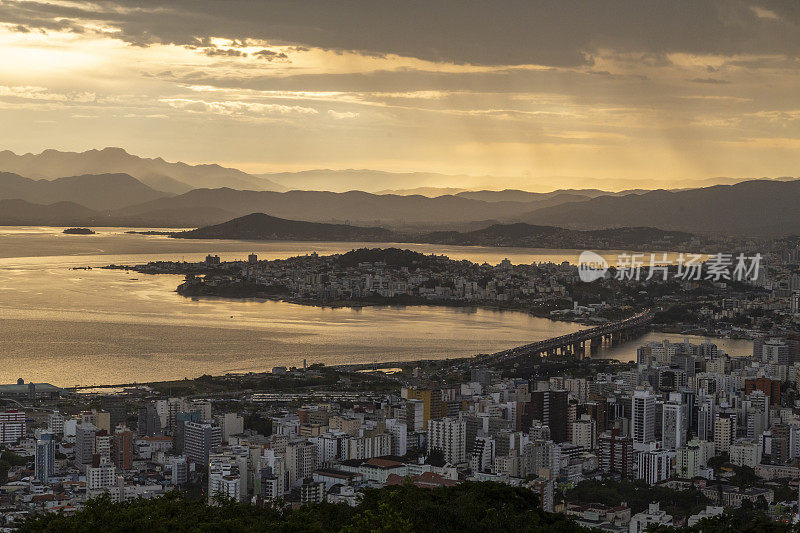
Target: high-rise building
[179, 470]
[115, 407]
[673, 426]
[745, 453]
[122, 448]
[232, 424]
[598, 410]
[705, 418]
[102, 444]
[100, 477]
[549, 407]
[45, 458]
[399, 432]
[724, 433]
[654, 466]
[55, 424]
[224, 478]
[775, 351]
[180, 422]
[781, 448]
[149, 421]
[483, 453]
[643, 412]
[301, 461]
[12, 426]
[312, 492]
[584, 432]
[199, 439]
[270, 487]
[448, 435]
[770, 387]
[101, 419]
[433, 405]
[84, 443]
[414, 415]
[616, 454]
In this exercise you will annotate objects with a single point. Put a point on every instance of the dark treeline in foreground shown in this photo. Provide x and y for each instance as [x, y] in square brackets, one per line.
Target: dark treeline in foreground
[406, 508]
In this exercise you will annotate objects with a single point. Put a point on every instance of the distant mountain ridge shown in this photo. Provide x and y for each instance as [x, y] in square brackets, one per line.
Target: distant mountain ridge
[374, 181]
[357, 207]
[754, 208]
[263, 227]
[99, 192]
[174, 178]
[382, 181]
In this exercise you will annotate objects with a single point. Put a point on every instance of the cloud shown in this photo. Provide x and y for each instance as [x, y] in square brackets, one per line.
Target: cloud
[227, 52]
[270, 55]
[522, 32]
[235, 108]
[711, 81]
[29, 92]
[342, 115]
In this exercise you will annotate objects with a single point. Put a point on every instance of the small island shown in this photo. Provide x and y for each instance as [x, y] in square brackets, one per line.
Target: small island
[79, 231]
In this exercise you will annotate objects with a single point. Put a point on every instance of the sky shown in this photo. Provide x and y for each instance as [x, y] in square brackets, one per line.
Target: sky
[532, 91]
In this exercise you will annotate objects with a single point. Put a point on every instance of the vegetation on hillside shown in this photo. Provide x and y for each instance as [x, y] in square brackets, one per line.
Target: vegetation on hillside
[406, 508]
[638, 495]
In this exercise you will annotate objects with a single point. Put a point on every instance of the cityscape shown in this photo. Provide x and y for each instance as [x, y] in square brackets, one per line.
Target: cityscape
[400, 267]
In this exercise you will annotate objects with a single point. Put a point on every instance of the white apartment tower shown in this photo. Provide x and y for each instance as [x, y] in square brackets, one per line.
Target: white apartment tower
[450, 436]
[643, 414]
[673, 428]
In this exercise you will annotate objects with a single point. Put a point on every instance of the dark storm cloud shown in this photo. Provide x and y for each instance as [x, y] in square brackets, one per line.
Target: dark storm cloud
[555, 33]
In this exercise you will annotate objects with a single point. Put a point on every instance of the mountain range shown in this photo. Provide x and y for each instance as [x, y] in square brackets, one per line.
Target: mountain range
[758, 208]
[95, 191]
[763, 208]
[173, 178]
[112, 187]
[405, 183]
[356, 207]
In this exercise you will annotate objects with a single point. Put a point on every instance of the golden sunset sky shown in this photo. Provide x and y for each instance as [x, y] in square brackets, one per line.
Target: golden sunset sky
[534, 91]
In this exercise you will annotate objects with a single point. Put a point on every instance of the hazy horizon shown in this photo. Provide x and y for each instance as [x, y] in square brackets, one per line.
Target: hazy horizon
[452, 184]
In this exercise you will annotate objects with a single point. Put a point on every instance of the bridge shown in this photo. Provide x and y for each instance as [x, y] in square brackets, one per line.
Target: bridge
[575, 343]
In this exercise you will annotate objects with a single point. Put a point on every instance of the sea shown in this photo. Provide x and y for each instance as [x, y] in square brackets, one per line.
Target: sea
[87, 327]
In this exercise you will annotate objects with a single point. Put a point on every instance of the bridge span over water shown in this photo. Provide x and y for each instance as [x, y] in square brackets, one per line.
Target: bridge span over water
[575, 343]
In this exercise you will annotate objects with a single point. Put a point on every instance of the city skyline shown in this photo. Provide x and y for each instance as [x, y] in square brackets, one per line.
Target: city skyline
[538, 91]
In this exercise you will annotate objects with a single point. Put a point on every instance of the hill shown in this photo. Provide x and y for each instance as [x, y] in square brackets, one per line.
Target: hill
[531, 236]
[261, 227]
[95, 191]
[174, 178]
[752, 208]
